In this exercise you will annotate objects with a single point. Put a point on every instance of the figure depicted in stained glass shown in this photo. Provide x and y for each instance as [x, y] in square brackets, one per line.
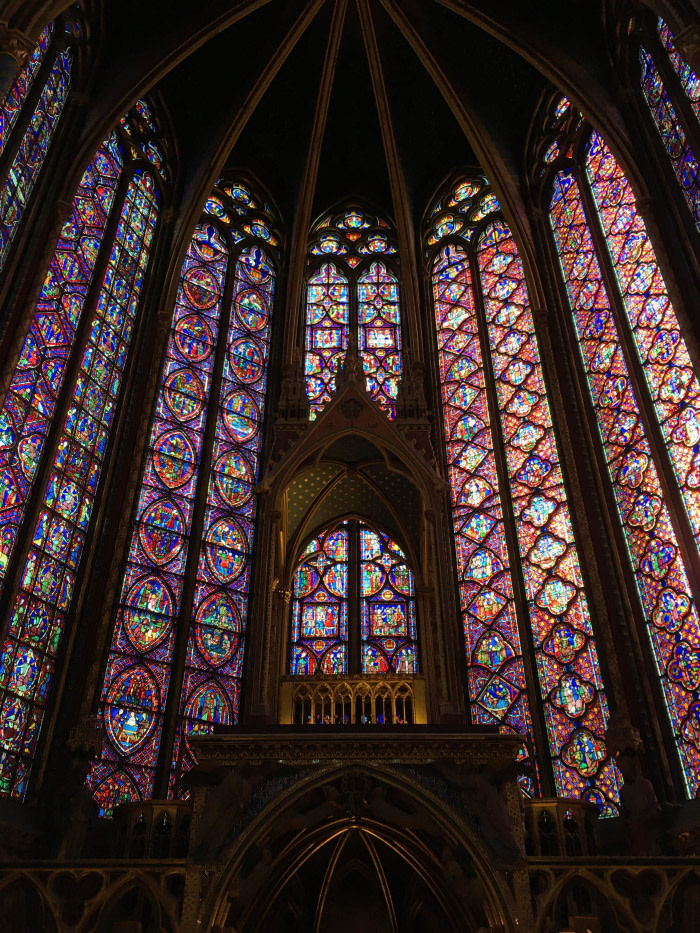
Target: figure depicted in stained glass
[325, 599]
[482, 306]
[48, 578]
[202, 331]
[351, 289]
[607, 231]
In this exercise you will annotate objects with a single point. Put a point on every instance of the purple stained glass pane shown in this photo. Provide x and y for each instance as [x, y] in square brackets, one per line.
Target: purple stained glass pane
[211, 687]
[689, 80]
[29, 158]
[319, 640]
[491, 636]
[570, 681]
[327, 330]
[670, 377]
[31, 400]
[379, 330]
[14, 101]
[387, 606]
[138, 666]
[678, 149]
[48, 579]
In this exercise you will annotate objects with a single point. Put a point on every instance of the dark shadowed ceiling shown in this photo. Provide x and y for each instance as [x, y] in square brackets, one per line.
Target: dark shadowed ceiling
[427, 86]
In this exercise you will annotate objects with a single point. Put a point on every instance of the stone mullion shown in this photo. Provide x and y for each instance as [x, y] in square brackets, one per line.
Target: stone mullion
[80, 637]
[295, 304]
[522, 611]
[18, 263]
[451, 659]
[397, 182]
[267, 639]
[674, 88]
[183, 621]
[652, 429]
[627, 635]
[577, 477]
[63, 403]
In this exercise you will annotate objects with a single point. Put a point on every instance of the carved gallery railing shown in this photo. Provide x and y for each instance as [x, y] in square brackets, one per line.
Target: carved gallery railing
[337, 701]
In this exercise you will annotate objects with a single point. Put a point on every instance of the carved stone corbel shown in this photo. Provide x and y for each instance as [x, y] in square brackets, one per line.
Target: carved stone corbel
[15, 43]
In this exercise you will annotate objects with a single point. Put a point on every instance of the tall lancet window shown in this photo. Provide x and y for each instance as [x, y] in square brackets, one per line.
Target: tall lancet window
[183, 603]
[353, 605]
[645, 398]
[29, 116]
[353, 293]
[88, 323]
[672, 92]
[521, 589]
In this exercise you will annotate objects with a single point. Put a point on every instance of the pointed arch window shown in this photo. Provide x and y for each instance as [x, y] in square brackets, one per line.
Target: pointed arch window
[672, 93]
[353, 605]
[39, 92]
[353, 292]
[184, 592]
[113, 186]
[645, 398]
[512, 523]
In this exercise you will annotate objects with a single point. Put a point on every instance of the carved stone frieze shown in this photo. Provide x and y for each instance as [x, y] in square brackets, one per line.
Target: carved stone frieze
[314, 744]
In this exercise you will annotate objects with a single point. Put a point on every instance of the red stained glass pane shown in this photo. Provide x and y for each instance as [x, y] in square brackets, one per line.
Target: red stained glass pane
[670, 613]
[47, 582]
[570, 680]
[669, 373]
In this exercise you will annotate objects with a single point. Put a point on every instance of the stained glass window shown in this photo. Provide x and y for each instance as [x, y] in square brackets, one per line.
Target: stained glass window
[319, 639]
[638, 314]
[215, 343]
[29, 157]
[352, 290]
[211, 689]
[48, 577]
[327, 319]
[673, 386]
[17, 95]
[485, 326]
[379, 327]
[30, 403]
[679, 150]
[491, 635]
[347, 571]
[689, 80]
[387, 606]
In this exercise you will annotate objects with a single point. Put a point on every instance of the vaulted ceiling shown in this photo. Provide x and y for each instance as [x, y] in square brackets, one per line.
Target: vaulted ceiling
[325, 99]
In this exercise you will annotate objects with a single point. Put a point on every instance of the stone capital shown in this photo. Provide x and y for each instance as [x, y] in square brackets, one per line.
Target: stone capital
[15, 43]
